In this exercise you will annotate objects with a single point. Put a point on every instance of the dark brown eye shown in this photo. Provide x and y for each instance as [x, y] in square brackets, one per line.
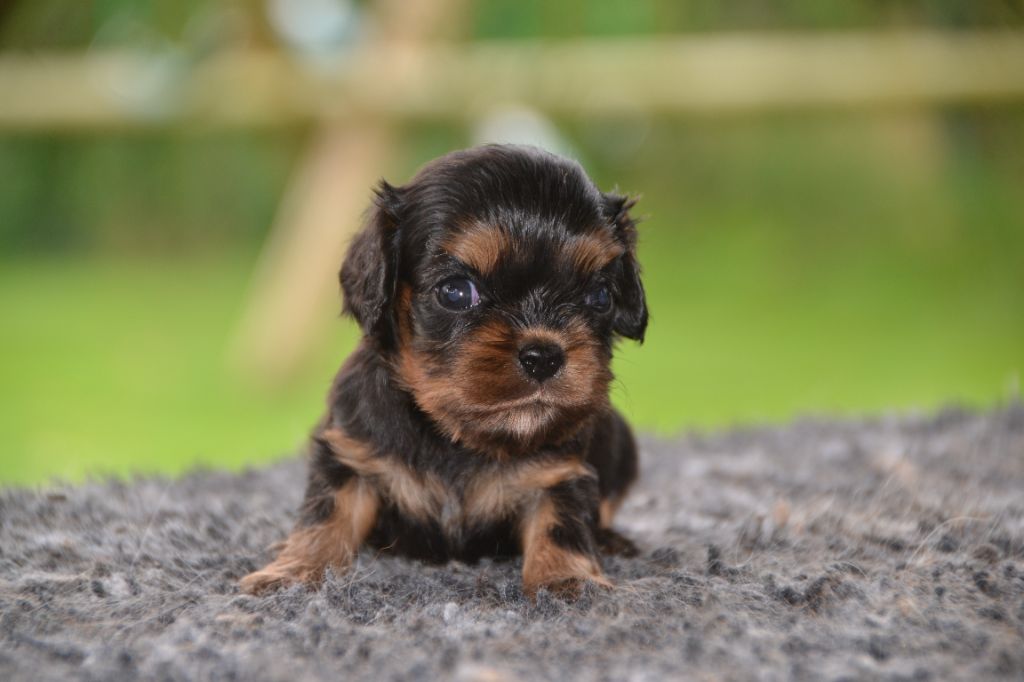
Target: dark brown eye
[457, 294]
[599, 299]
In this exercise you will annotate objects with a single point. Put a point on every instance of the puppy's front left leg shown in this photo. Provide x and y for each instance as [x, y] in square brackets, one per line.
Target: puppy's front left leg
[338, 514]
[559, 551]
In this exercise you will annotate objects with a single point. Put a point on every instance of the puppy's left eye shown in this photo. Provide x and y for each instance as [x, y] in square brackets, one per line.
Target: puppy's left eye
[457, 294]
[599, 299]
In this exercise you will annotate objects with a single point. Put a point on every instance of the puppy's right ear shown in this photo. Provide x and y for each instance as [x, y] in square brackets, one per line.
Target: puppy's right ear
[631, 302]
[369, 274]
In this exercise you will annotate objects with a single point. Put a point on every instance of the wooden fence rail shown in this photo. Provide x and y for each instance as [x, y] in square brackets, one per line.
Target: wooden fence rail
[396, 80]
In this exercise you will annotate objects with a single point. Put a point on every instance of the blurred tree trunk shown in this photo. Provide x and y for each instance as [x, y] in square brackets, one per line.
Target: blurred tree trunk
[321, 211]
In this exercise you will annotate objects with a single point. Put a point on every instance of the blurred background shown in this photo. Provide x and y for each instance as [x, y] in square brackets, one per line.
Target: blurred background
[832, 193]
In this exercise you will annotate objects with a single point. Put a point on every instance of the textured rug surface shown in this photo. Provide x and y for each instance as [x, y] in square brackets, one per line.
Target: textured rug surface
[888, 548]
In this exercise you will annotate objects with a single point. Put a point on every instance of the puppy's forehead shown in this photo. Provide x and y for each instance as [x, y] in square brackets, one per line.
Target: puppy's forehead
[485, 247]
[510, 210]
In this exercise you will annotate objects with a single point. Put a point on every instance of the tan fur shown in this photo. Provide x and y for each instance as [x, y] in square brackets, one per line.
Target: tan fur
[504, 492]
[591, 252]
[419, 496]
[489, 497]
[538, 475]
[404, 312]
[606, 512]
[481, 247]
[545, 564]
[480, 396]
[309, 551]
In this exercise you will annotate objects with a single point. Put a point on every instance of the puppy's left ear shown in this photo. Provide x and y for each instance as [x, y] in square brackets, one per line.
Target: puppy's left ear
[369, 274]
[631, 302]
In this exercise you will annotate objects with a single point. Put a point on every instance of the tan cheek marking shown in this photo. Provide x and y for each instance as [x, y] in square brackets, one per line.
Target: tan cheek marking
[432, 395]
[454, 400]
[421, 497]
[486, 366]
[461, 398]
[481, 247]
[585, 375]
[586, 366]
[495, 335]
[309, 551]
[545, 564]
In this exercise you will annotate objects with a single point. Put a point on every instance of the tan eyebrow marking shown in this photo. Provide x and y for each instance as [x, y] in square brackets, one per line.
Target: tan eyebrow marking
[480, 247]
[591, 252]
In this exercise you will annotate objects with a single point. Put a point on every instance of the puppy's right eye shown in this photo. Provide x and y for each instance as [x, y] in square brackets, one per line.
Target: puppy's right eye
[457, 294]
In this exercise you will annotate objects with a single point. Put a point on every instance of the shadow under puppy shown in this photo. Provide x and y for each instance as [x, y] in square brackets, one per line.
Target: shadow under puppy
[473, 419]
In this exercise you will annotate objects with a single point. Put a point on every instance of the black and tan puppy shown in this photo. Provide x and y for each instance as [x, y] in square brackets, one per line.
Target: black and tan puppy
[473, 419]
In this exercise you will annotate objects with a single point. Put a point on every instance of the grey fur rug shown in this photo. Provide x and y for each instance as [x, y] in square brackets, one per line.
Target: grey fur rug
[885, 548]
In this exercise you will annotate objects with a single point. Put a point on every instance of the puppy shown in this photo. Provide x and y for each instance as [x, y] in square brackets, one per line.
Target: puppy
[473, 418]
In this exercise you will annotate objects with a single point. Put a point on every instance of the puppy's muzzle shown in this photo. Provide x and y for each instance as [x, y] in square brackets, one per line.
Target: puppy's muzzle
[541, 361]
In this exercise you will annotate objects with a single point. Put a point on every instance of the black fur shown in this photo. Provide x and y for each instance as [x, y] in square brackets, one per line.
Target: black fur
[576, 504]
[541, 203]
[369, 273]
[326, 475]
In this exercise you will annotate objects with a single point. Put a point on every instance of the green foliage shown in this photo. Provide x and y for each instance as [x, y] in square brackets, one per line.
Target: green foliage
[140, 193]
[794, 264]
[578, 18]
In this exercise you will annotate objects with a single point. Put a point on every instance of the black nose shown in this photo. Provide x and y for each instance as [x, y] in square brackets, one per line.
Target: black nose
[541, 360]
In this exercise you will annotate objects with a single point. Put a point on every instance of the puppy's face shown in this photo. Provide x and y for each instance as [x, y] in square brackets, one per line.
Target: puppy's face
[496, 282]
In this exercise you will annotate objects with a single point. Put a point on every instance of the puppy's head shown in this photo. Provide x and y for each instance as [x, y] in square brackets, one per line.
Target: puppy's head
[495, 283]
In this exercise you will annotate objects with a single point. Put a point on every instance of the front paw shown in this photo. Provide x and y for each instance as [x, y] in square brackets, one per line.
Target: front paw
[566, 588]
[274, 577]
[612, 542]
[260, 582]
[564, 574]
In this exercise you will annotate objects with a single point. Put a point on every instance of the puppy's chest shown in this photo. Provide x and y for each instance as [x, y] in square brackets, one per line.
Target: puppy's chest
[454, 514]
[473, 511]
[455, 507]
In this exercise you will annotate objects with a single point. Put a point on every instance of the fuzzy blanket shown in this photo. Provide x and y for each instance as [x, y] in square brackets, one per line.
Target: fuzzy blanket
[887, 548]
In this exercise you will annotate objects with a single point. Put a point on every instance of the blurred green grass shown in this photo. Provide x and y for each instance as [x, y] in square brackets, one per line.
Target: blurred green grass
[794, 264]
[118, 365]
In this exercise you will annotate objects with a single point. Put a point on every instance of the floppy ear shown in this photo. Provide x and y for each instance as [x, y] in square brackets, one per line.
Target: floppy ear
[630, 302]
[369, 274]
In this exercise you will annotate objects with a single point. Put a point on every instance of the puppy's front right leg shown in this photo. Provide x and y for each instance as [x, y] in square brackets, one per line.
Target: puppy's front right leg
[338, 514]
[559, 551]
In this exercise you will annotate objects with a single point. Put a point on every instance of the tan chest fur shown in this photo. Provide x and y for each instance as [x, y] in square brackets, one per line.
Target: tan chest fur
[495, 493]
